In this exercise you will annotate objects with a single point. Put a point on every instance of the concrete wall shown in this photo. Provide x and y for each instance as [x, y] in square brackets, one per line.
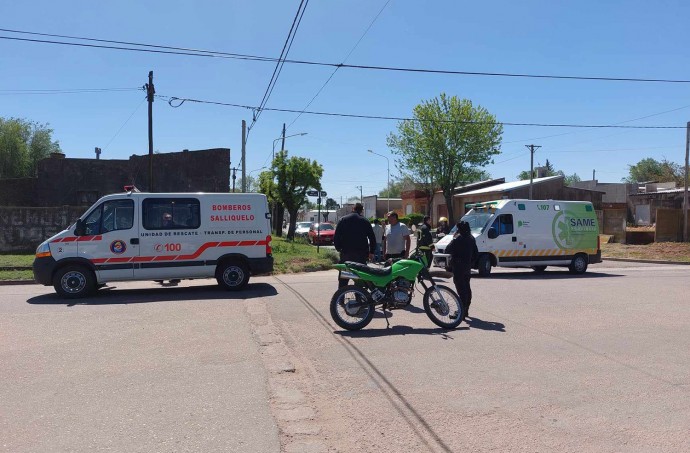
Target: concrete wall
[669, 225]
[17, 191]
[80, 182]
[23, 229]
[613, 223]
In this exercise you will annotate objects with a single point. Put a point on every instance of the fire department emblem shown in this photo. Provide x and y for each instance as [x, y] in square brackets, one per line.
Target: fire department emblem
[118, 247]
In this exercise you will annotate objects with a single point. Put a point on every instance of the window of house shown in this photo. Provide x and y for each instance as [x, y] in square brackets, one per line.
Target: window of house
[110, 216]
[171, 213]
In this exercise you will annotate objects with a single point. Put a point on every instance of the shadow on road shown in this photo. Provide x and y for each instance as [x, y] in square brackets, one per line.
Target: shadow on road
[476, 323]
[112, 295]
[546, 275]
[400, 330]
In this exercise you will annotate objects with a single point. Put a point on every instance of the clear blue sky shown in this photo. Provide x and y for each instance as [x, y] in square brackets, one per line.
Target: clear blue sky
[590, 38]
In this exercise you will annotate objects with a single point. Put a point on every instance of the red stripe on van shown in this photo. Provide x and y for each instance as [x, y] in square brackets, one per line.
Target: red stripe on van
[199, 251]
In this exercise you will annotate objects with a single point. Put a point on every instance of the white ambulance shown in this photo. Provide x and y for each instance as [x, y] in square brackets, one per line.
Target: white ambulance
[159, 236]
[530, 233]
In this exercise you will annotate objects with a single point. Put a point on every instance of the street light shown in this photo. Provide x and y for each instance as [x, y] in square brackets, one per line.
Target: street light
[280, 138]
[388, 188]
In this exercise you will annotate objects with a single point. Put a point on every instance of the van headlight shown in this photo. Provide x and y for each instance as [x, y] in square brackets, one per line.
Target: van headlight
[43, 250]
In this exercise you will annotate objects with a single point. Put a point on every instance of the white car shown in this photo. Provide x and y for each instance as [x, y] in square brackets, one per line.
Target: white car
[302, 229]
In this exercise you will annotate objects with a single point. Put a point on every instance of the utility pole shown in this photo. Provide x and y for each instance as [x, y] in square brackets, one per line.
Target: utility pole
[531, 166]
[685, 194]
[150, 91]
[361, 198]
[244, 156]
[282, 146]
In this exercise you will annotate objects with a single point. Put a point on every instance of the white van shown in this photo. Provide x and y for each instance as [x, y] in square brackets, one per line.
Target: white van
[159, 236]
[530, 233]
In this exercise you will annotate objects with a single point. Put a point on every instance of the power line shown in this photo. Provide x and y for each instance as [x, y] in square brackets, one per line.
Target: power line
[125, 123]
[153, 48]
[398, 118]
[65, 91]
[281, 61]
[338, 67]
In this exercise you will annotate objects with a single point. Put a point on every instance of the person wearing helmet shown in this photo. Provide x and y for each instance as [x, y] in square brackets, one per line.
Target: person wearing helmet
[442, 226]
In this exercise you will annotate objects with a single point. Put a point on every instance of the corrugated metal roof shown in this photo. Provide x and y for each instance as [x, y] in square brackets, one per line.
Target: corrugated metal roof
[508, 186]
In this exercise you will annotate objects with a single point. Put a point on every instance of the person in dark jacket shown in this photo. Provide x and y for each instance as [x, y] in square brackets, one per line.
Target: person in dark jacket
[354, 239]
[463, 252]
[425, 238]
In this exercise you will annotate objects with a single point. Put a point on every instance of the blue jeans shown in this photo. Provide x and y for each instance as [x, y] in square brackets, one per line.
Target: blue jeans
[377, 253]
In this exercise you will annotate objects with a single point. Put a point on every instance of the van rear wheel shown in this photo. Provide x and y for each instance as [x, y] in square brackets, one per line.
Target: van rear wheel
[232, 275]
[74, 281]
[579, 264]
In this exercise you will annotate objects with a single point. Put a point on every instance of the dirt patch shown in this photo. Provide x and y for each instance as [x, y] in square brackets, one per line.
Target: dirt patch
[665, 251]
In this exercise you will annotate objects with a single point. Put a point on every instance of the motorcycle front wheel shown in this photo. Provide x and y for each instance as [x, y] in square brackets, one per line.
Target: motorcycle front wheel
[346, 316]
[443, 307]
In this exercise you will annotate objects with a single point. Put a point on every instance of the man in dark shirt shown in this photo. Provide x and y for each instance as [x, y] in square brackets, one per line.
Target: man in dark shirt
[463, 251]
[354, 239]
[425, 238]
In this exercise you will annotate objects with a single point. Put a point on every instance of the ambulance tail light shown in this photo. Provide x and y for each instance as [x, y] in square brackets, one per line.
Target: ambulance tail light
[269, 251]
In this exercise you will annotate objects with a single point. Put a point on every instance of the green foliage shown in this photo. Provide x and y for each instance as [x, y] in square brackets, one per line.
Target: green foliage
[298, 256]
[331, 204]
[397, 187]
[550, 170]
[22, 144]
[416, 219]
[294, 177]
[447, 143]
[653, 170]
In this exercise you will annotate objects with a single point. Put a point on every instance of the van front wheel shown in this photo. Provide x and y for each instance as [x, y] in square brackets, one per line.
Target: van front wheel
[74, 282]
[232, 275]
[484, 265]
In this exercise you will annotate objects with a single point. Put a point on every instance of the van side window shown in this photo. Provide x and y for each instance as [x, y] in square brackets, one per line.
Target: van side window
[171, 213]
[503, 224]
[112, 215]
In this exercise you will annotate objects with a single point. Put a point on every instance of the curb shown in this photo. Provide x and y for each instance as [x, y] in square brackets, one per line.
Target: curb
[633, 260]
[17, 282]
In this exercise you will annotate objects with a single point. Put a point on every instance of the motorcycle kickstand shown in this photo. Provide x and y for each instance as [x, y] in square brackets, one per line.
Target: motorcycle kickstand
[388, 325]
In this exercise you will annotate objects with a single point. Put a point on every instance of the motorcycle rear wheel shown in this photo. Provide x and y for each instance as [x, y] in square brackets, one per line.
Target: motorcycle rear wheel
[351, 318]
[443, 307]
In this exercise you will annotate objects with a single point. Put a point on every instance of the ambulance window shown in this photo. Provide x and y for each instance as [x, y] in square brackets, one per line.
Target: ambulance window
[171, 213]
[503, 224]
[110, 216]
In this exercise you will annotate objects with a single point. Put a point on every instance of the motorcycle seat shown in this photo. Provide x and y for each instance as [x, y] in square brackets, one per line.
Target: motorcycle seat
[381, 272]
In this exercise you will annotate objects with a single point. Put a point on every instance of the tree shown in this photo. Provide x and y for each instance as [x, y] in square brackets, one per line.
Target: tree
[294, 177]
[446, 143]
[397, 187]
[22, 144]
[548, 169]
[653, 170]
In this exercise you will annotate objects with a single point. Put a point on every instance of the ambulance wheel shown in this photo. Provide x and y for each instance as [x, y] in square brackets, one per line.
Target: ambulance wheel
[232, 275]
[539, 269]
[578, 265]
[74, 282]
[484, 265]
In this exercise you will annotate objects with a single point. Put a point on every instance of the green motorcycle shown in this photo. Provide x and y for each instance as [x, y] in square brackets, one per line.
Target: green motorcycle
[392, 287]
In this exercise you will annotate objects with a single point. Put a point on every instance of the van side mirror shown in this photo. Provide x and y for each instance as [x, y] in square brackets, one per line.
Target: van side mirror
[493, 234]
[80, 228]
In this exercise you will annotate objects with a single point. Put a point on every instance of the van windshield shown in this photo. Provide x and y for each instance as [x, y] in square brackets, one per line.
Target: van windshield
[477, 220]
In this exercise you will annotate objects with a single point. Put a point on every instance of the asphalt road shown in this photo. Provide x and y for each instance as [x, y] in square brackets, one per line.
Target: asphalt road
[549, 362]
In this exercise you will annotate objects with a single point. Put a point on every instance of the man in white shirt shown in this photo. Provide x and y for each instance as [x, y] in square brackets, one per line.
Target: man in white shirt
[378, 232]
[396, 242]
